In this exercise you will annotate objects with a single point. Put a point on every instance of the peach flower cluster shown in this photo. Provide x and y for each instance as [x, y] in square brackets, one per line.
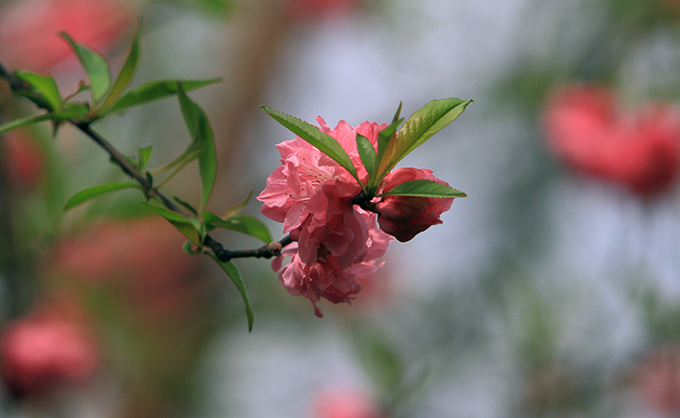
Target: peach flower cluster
[336, 241]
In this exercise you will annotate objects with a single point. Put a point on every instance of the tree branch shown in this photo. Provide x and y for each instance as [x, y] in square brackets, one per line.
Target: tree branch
[270, 250]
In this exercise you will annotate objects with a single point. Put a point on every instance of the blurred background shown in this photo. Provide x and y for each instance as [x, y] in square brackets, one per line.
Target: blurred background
[553, 290]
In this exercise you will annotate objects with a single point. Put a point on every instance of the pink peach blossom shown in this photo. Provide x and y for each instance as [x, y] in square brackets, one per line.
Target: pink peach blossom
[639, 149]
[44, 350]
[29, 29]
[312, 195]
[325, 277]
[406, 216]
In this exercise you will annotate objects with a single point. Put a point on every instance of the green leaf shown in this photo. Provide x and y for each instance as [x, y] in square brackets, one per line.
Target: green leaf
[96, 67]
[202, 136]
[384, 138]
[96, 191]
[186, 205]
[127, 71]
[420, 127]
[235, 277]
[310, 133]
[237, 208]
[155, 90]
[18, 123]
[244, 224]
[77, 113]
[45, 85]
[185, 226]
[143, 156]
[397, 113]
[380, 360]
[424, 188]
[367, 154]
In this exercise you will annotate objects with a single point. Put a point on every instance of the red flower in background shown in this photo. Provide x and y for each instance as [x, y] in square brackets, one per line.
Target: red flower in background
[23, 159]
[49, 348]
[140, 260]
[29, 29]
[639, 149]
[314, 8]
[344, 402]
[657, 379]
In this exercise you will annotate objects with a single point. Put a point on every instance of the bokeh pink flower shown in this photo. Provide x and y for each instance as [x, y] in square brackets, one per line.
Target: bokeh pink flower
[29, 29]
[657, 379]
[45, 350]
[138, 259]
[639, 148]
[344, 402]
[23, 159]
[406, 216]
[308, 9]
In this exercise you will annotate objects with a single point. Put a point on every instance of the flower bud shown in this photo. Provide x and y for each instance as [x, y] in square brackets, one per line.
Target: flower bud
[405, 216]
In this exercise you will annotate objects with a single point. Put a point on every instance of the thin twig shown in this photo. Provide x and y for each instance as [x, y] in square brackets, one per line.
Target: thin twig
[270, 250]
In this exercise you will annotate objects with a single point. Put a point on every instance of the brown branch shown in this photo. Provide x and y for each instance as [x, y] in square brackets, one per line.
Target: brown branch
[270, 250]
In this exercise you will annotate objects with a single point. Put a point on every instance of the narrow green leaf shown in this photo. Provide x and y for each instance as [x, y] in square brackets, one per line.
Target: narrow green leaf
[235, 277]
[310, 133]
[237, 208]
[77, 113]
[397, 113]
[183, 225]
[155, 90]
[201, 135]
[96, 67]
[424, 188]
[143, 156]
[384, 138]
[420, 127]
[96, 191]
[367, 154]
[186, 205]
[18, 123]
[244, 224]
[127, 71]
[45, 85]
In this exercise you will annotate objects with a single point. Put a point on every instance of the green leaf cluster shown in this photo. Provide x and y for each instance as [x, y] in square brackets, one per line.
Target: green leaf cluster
[393, 145]
[108, 95]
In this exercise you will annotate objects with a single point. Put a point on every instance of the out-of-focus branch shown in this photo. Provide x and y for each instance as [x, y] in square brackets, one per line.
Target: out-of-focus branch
[258, 29]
